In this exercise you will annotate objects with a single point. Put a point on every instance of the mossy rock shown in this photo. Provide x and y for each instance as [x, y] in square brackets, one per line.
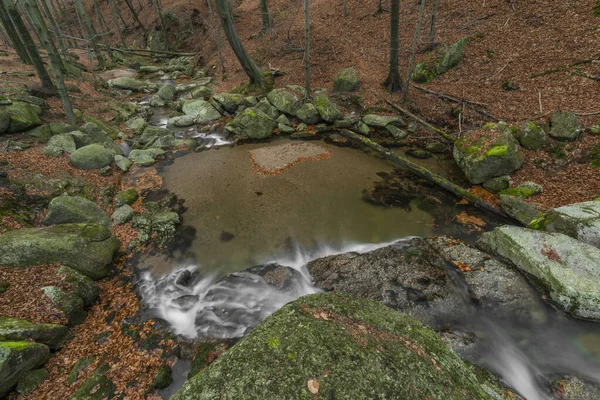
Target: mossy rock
[334, 343]
[308, 114]
[284, 100]
[565, 126]
[60, 144]
[450, 56]
[422, 74]
[230, 102]
[68, 302]
[94, 156]
[43, 133]
[167, 92]
[88, 248]
[23, 116]
[532, 136]
[81, 285]
[31, 380]
[497, 184]
[74, 209]
[132, 84]
[163, 378]
[79, 366]
[111, 131]
[15, 329]
[128, 196]
[346, 80]
[252, 123]
[18, 358]
[4, 120]
[579, 220]
[201, 110]
[327, 108]
[97, 387]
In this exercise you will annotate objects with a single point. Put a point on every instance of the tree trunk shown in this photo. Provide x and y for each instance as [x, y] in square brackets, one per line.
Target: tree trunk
[250, 68]
[345, 8]
[216, 35]
[55, 61]
[432, 25]
[63, 12]
[57, 33]
[103, 29]
[379, 7]
[29, 45]
[412, 51]
[393, 82]
[15, 39]
[307, 90]
[267, 22]
[113, 13]
[163, 27]
[134, 13]
[91, 33]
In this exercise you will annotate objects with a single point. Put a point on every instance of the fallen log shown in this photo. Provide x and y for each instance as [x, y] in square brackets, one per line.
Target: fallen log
[420, 120]
[138, 51]
[424, 173]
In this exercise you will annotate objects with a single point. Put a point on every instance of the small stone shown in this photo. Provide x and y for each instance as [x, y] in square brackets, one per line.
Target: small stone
[497, 184]
[122, 215]
[565, 126]
[418, 153]
[436, 148]
[122, 162]
[510, 86]
[397, 133]
[363, 128]
[128, 196]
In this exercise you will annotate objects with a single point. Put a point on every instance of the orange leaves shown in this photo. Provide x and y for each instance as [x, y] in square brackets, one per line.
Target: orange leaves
[551, 254]
[313, 386]
[471, 221]
[462, 266]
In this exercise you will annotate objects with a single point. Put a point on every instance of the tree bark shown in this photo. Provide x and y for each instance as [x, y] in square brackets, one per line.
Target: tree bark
[15, 39]
[393, 82]
[424, 173]
[267, 22]
[134, 13]
[55, 62]
[216, 35]
[432, 24]
[113, 14]
[307, 90]
[57, 32]
[29, 45]
[163, 26]
[63, 11]
[91, 33]
[103, 29]
[256, 77]
[412, 52]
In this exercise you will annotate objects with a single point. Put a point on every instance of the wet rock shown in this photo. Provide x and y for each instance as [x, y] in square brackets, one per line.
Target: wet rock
[381, 121]
[532, 136]
[352, 339]
[156, 101]
[573, 388]
[464, 344]
[303, 135]
[122, 162]
[564, 267]
[418, 153]
[163, 378]
[68, 302]
[182, 121]
[185, 278]
[186, 302]
[88, 248]
[155, 223]
[579, 220]
[137, 125]
[151, 134]
[565, 126]
[167, 92]
[72, 209]
[93, 156]
[201, 110]
[252, 123]
[519, 209]
[327, 108]
[230, 102]
[146, 157]
[284, 100]
[488, 155]
[346, 80]
[122, 215]
[31, 380]
[497, 184]
[15, 329]
[132, 84]
[18, 358]
[59, 145]
[128, 196]
[406, 276]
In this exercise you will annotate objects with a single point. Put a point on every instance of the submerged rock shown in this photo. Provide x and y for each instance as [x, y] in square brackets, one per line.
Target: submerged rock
[565, 268]
[15, 329]
[88, 248]
[72, 209]
[18, 358]
[334, 343]
[252, 123]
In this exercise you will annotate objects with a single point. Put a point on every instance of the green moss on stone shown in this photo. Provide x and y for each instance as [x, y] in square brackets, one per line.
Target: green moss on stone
[497, 151]
[163, 378]
[519, 191]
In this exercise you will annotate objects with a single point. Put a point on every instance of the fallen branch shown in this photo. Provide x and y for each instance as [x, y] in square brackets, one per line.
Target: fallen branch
[424, 173]
[428, 125]
[169, 53]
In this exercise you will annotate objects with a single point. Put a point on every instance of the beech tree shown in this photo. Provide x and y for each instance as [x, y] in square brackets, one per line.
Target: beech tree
[393, 82]
[432, 24]
[413, 51]
[256, 77]
[92, 36]
[11, 31]
[267, 22]
[307, 90]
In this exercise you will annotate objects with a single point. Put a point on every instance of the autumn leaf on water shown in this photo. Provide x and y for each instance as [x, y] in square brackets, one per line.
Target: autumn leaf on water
[313, 386]
[462, 266]
[470, 220]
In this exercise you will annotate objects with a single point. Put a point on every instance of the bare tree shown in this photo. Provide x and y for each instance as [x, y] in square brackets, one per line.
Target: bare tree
[163, 26]
[92, 36]
[307, 90]
[413, 51]
[56, 28]
[393, 82]
[267, 22]
[15, 39]
[216, 35]
[432, 24]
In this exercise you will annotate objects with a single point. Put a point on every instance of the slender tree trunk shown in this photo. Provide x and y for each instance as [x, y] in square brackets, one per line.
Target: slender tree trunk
[267, 22]
[307, 90]
[432, 24]
[112, 2]
[91, 33]
[216, 35]
[135, 16]
[393, 82]
[113, 13]
[163, 26]
[57, 33]
[412, 51]
[5, 38]
[29, 45]
[15, 39]
[250, 68]
[380, 7]
[63, 12]
[55, 62]
[345, 8]
[103, 30]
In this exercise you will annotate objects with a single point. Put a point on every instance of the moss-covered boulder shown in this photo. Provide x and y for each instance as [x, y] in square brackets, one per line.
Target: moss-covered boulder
[137, 125]
[111, 131]
[18, 358]
[346, 80]
[4, 120]
[532, 136]
[382, 121]
[327, 108]
[422, 74]
[580, 221]
[60, 144]
[22, 116]
[31, 380]
[565, 126]
[88, 248]
[565, 268]
[94, 133]
[167, 92]
[146, 157]
[97, 387]
[284, 100]
[230, 102]
[333, 343]
[450, 56]
[483, 155]
[128, 196]
[67, 209]
[80, 285]
[519, 209]
[163, 378]
[43, 133]
[15, 329]
[93, 156]
[308, 114]
[68, 302]
[132, 84]
[265, 106]
[201, 110]
[252, 123]
[122, 214]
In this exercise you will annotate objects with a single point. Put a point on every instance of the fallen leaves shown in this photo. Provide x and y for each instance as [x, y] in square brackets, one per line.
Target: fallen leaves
[551, 254]
[313, 386]
[471, 221]
[462, 266]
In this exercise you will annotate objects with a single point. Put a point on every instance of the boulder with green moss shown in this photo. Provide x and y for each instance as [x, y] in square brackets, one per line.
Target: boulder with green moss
[201, 110]
[128, 196]
[80, 285]
[230, 102]
[265, 106]
[497, 184]
[88, 248]
[532, 136]
[16, 359]
[519, 209]
[334, 343]
[421, 73]
[146, 157]
[93, 156]
[122, 214]
[346, 80]
[488, 154]
[67, 209]
[59, 145]
[308, 114]
[31, 380]
[15, 329]
[565, 126]
[524, 190]
[137, 125]
[252, 123]
[132, 84]
[167, 92]
[4, 120]
[450, 56]
[327, 108]
[580, 221]
[565, 268]
[68, 302]
[382, 121]
[286, 101]
[22, 116]
[96, 387]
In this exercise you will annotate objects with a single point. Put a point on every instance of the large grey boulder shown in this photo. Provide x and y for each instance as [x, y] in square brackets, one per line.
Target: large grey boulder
[493, 153]
[88, 248]
[59, 145]
[567, 269]
[201, 110]
[334, 343]
[21, 116]
[15, 329]
[230, 102]
[93, 156]
[69, 303]
[72, 209]
[565, 126]
[346, 80]
[284, 100]
[266, 107]
[252, 123]
[382, 121]
[308, 114]
[580, 221]
[327, 108]
[132, 84]
[81, 285]
[16, 359]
